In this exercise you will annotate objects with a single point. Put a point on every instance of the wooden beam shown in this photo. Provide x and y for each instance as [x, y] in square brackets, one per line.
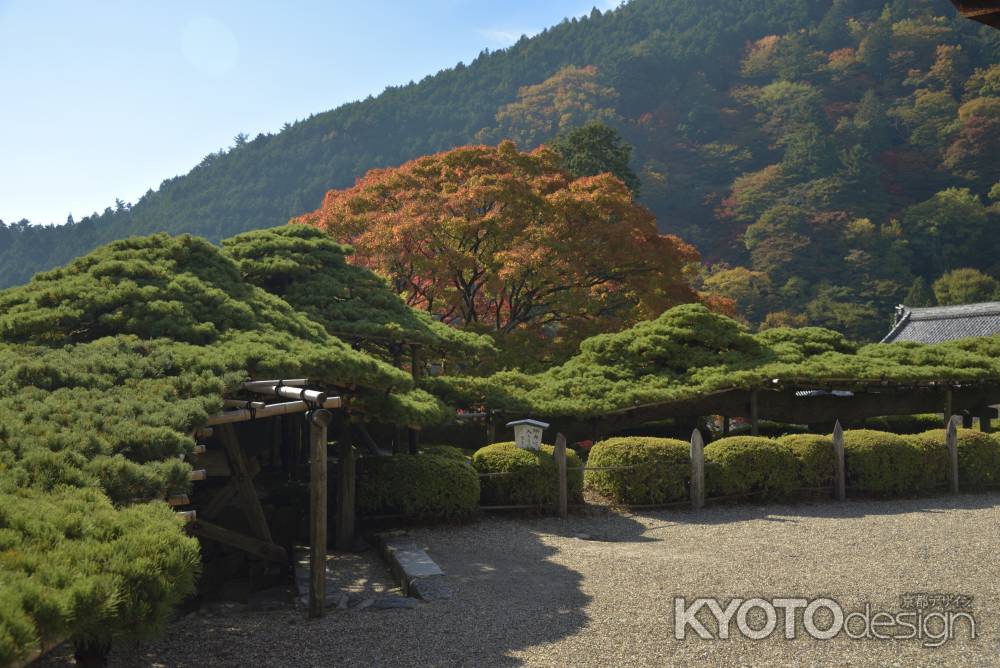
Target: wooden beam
[318, 421]
[243, 482]
[249, 544]
[178, 500]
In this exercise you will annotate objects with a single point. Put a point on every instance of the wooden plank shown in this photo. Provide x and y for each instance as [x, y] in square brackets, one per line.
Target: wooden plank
[560, 456]
[243, 482]
[178, 500]
[840, 472]
[345, 491]
[198, 474]
[187, 516]
[318, 421]
[697, 470]
[951, 440]
[249, 544]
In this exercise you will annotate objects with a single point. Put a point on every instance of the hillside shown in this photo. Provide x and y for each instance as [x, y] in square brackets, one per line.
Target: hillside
[810, 150]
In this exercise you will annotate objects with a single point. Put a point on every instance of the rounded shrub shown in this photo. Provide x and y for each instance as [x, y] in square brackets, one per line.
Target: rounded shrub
[978, 457]
[750, 464]
[662, 469]
[817, 463]
[905, 424]
[882, 463]
[427, 487]
[534, 476]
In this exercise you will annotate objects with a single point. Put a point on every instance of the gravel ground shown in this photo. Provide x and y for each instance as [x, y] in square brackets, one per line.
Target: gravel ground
[534, 592]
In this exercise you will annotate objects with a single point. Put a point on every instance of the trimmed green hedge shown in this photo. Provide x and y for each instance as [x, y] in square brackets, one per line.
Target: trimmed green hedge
[750, 464]
[535, 479]
[449, 451]
[978, 457]
[905, 424]
[663, 468]
[817, 464]
[427, 487]
[881, 463]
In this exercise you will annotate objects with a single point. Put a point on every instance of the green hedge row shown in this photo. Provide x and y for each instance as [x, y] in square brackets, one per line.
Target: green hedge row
[533, 479]
[877, 464]
[437, 485]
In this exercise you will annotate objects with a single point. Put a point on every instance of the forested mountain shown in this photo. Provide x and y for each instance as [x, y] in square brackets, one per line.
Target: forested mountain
[829, 158]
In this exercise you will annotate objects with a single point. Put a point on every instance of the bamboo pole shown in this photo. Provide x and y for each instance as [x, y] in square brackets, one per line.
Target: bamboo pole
[951, 440]
[271, 410]
[345, 490]
[240, 403]
[318, 421]
[251, 385]
[697, 470]
[290, 392]
[840, 474]
[560, 456]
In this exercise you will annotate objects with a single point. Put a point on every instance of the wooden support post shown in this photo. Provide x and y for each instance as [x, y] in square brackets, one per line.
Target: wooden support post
[345, 491]
[840, 472]
[244, 483]
[947, 408]
[560, 456]
[697, 470]
[985, 416]
[754, 426]
[966, 420]
[491, 427]
[318, 421]
[725, 425]
[951, 440]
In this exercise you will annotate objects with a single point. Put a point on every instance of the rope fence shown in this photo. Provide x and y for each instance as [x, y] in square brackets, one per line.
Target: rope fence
[696, 488]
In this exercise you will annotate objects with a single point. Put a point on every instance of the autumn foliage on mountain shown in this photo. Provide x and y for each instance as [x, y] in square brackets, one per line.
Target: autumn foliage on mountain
[499, 240]
[827, 158]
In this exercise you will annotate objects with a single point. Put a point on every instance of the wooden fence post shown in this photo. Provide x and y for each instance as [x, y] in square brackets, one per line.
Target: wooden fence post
[725, 425]
[560, 456]
[754, 426]
[951, 440]
[840, 473]
[697, 470]
[345, 490]
[318, 421]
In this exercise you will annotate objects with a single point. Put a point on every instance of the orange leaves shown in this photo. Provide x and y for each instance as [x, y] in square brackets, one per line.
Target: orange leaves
[504, 240]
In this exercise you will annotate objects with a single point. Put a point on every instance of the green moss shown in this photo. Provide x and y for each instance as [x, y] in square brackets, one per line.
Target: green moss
[534, 479]
[750, 465]
[427, 487]
[882, 463]
[978, 457]
[817, 462]
[662, 469]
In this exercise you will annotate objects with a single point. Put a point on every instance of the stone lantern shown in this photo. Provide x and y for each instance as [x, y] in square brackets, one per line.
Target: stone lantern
[528, 433]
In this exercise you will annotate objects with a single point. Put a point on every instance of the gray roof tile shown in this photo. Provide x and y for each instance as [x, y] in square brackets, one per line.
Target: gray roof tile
[945, 323]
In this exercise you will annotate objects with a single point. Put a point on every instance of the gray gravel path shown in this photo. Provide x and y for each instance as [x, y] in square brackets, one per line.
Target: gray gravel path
[531, 592]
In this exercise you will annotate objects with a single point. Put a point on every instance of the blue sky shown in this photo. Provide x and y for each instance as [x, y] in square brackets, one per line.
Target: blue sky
[106, 99]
